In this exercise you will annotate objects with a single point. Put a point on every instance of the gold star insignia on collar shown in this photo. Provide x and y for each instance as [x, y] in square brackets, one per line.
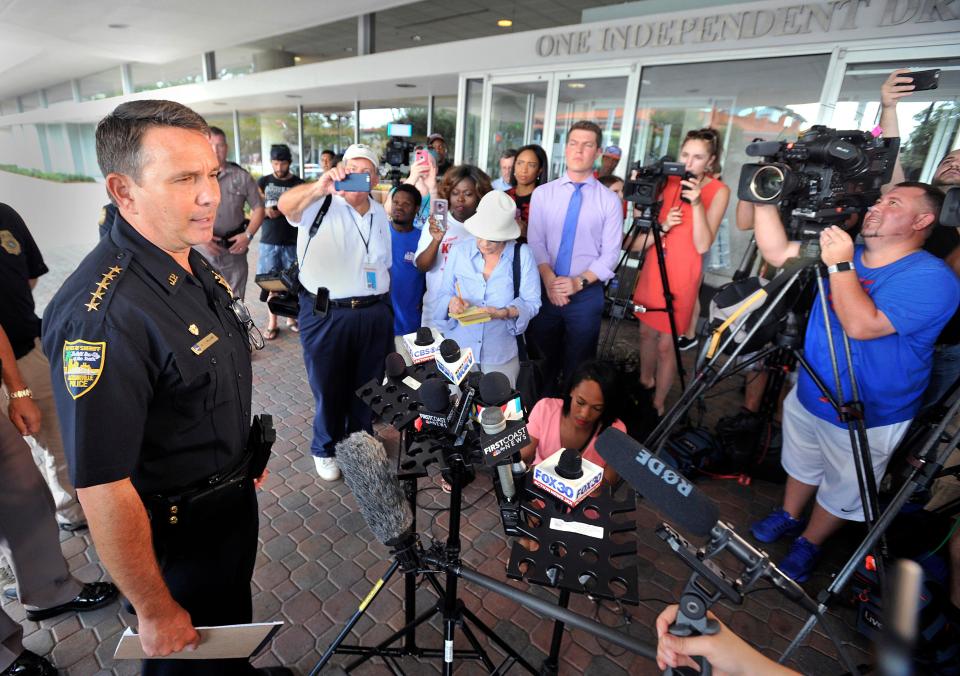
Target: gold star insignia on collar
[222, 282]
[97, 295]
[172, 279]
[193, 329]
[92, 305]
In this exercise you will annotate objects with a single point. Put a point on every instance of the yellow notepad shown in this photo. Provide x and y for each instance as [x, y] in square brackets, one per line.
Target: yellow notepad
[472, 315]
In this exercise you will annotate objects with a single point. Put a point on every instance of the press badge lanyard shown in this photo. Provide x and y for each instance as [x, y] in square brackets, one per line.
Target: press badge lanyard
[369, 271]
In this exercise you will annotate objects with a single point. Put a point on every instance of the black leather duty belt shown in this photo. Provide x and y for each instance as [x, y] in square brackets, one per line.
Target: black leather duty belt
[352, 303]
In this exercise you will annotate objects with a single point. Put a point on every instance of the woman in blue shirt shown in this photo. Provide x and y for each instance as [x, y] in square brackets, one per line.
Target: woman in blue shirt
[480, 274]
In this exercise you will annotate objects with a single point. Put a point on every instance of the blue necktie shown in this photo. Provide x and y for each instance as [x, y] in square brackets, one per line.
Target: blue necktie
[565, 252]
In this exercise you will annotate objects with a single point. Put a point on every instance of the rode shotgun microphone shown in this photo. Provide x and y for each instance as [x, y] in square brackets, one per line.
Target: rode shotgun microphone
[668, 490]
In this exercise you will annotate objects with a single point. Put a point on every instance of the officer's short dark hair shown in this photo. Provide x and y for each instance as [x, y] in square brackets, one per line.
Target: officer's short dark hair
[120, 134]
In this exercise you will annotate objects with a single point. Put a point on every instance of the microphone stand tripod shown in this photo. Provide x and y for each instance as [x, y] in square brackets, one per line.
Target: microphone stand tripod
[459, 471]
[648, 221]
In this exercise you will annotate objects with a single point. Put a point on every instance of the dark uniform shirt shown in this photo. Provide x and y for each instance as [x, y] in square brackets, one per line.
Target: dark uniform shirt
[151, 369]
[20, 261]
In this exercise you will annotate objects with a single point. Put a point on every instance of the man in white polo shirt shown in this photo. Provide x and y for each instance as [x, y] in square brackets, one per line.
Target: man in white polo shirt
[346, 322]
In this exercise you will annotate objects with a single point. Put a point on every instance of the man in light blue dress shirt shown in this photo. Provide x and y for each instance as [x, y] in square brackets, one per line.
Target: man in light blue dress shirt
[575, 231]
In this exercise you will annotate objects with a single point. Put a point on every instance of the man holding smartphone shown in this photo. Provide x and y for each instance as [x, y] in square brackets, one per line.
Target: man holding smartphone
[346, 322]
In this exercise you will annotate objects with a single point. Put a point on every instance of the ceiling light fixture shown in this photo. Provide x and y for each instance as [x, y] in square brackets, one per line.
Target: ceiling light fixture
[416, 38]
[219, 103]
[576, 85]
[293, 96]
[118, 26]
[406, 85]
[505, 23]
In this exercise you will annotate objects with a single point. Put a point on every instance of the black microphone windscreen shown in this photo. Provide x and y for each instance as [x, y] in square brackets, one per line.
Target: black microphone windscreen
[570, 465]
[495, 389]
[367, 472]
[396, 367]
[669, 491]
[450, 350]
[424, 336]
[434, 395]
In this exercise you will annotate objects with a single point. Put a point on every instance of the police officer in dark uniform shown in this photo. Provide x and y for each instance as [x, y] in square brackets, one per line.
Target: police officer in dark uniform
[150, 354]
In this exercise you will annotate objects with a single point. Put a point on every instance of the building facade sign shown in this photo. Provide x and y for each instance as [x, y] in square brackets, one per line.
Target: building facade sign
[758, 24]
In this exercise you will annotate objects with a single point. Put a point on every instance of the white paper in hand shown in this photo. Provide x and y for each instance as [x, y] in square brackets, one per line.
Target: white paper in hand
[216, 643]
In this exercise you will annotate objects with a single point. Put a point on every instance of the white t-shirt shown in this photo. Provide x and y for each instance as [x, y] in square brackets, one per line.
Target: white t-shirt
[350, 254]
[455, 234]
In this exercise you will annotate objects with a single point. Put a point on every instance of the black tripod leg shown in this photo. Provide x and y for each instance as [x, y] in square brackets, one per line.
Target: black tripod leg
[352, 622]
[505, 647]
[551, 664]
[372, 652]
[668, 297]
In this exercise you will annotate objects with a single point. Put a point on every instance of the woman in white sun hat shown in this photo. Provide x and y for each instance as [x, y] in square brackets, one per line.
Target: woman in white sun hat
[479, 274]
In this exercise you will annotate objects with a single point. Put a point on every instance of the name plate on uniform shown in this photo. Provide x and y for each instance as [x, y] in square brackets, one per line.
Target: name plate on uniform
[204, 343]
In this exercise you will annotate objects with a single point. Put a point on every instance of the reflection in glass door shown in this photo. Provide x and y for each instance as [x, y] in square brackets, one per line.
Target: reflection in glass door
[516, 119]
[597, 99]
[929, 121]
[770, 99]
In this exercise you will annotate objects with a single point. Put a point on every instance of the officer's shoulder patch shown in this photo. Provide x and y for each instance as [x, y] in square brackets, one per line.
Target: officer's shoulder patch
[100, 291]
[103, 215]
[83, 362]
[10, 243]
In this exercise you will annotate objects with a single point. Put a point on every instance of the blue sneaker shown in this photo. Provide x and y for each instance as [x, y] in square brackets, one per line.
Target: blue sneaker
[800, 560]
[775, 525]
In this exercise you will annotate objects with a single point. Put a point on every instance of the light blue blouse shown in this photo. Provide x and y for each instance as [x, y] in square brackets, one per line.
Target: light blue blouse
[493, 342]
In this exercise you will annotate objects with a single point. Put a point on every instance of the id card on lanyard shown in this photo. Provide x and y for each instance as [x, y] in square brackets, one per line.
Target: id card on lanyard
[369, 269]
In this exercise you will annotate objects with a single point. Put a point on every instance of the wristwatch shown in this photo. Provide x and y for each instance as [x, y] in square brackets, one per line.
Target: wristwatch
[583, 282]
[25, 393]
[249, 236]
[840, 267]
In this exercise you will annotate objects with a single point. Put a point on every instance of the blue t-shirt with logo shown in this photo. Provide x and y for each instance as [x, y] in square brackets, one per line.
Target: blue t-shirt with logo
[918, 294]
[407, 284]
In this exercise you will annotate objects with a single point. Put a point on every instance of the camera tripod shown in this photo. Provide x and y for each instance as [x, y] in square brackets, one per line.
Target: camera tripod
[648, 221]
[850, 412]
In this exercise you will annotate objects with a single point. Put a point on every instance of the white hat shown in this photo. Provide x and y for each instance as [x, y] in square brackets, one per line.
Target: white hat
[362, 151]
[496, 218]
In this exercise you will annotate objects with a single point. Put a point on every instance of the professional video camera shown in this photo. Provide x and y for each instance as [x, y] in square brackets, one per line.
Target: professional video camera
[646, 183]
[828, 174]
[397, 153]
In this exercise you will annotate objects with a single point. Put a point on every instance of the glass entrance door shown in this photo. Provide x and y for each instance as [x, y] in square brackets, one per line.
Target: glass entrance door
[929, 121]
[517, 112]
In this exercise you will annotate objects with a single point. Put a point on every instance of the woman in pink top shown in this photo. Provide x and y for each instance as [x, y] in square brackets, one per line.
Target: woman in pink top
[577, 419]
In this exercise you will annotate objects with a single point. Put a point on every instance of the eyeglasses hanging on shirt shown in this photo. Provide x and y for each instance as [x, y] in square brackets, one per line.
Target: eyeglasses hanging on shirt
[240, 311]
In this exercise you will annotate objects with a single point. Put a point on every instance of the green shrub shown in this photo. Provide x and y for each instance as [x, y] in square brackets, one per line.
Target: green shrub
[47, 175]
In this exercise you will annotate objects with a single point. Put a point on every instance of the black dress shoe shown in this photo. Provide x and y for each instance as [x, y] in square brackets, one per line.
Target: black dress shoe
[93, 595]
[29, 664]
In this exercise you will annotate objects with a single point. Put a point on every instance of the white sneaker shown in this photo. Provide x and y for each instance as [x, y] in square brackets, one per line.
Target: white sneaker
[327, 468]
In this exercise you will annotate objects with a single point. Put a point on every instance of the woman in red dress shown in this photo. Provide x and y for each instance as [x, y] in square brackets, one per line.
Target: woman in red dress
[689, 219]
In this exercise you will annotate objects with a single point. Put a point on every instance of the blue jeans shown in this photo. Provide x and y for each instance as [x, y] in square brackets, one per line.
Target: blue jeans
[945, 371]
[275, 257]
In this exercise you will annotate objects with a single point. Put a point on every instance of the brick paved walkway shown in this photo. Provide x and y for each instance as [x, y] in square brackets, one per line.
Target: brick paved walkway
[318, 559]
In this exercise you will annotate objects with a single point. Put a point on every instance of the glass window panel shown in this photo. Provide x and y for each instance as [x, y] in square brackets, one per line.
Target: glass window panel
[328, 41]
[929, 121]
[260, 130]
[147, 76]
[445, 119]
[101, 85]
[471, 126]
[9, 107]
[599, 100]
[30, 101]
[59, 93]
[744, 100]
[376, 115]
[516, 119]
[329, 129]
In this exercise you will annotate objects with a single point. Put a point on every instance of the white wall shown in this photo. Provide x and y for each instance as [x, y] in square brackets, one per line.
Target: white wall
[61, 216]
